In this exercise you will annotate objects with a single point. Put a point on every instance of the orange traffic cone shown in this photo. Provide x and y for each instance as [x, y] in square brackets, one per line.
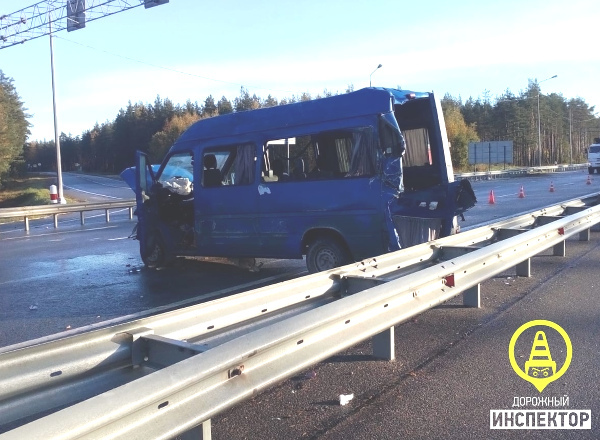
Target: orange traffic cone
[521, 193]
[492, 199]
[589, 181]
[551, 187]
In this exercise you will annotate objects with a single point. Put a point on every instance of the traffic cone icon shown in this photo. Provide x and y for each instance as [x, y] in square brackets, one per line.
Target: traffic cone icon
[492, 199]
[589, 181]
[521, 193]
[551, 187]
[540, 363]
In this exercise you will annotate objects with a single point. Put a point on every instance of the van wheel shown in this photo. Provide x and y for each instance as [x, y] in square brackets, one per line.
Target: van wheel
[591, 170]
[324, 254]
[154, 256]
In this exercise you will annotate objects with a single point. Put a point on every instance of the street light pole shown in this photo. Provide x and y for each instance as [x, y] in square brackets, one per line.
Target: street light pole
[378, 67]
[540, 122]
[61, 198]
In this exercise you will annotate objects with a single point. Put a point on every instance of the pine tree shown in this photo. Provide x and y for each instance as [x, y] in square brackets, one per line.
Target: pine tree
[14, 126]
[224, 106]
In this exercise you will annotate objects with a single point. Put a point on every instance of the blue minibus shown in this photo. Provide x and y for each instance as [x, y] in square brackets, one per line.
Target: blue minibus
[333, 180]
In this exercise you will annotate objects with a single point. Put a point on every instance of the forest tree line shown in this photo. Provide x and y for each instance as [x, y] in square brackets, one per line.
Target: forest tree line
[13, 129]
[566, 129]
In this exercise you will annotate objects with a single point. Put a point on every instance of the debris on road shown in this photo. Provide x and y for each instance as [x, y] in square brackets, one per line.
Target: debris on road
[346, 398]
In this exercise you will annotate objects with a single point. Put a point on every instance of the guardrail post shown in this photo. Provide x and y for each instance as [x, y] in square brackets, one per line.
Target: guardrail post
[524, 268]
[383, 345]
[131, 213]
[585, 235]
[55, 220]
[472, 296]
[202, 432]
[26, 221]
[107, 215]
[82, 218]
[559, 249]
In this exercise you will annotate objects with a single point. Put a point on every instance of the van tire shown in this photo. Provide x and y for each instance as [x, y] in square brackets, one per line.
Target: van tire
[154, 255]
[591, 170]
[324, 254]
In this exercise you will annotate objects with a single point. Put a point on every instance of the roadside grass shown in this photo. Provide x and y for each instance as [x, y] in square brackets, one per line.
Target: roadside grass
[26, 191]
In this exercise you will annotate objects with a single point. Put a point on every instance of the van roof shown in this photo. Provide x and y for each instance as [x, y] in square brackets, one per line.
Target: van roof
[367, 101]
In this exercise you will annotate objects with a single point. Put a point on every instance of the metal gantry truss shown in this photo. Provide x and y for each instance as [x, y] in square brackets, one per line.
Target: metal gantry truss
[33, 21]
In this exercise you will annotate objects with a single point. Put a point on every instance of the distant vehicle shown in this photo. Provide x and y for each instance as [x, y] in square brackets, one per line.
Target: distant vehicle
[594, 157]
[335, 179]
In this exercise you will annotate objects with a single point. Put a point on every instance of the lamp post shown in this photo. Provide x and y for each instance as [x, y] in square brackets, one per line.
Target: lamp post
[378, 67]
[59, 181]
[540, 122]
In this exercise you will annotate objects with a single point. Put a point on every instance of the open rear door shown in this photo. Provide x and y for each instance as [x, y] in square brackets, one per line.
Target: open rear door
[439, 138]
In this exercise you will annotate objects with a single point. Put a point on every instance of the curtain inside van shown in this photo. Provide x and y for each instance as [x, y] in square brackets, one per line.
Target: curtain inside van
[244, 164]
[364, 153]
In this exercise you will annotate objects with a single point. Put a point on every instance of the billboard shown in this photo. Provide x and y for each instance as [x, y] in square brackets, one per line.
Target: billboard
[490, 152]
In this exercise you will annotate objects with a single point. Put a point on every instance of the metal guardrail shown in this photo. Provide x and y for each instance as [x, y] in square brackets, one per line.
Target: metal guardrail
[519, 172]
[159, 376]
[26, 212]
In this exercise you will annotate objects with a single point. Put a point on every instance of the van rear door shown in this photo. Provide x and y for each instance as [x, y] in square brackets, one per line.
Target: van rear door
[438, 132]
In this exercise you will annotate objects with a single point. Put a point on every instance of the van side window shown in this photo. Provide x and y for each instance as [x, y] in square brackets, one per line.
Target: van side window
[327, 155]
[228, 165]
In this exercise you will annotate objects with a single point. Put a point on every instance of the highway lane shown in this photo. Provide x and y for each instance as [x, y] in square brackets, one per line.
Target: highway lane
[54, 280]
[537, 194]
[95, 188]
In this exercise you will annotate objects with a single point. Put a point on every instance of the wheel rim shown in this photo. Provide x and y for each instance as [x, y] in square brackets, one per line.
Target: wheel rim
[155, 254]
[326, 259]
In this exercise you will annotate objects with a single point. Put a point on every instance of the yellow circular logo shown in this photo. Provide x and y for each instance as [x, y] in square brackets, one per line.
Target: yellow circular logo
[540, 369]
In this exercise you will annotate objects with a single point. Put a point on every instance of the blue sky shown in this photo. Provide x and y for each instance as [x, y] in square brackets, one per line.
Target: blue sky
[189, 49]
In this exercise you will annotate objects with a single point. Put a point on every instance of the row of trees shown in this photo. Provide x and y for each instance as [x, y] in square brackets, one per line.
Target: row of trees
[564, 129]
[152, 128]
[567, 128]
[13, 128]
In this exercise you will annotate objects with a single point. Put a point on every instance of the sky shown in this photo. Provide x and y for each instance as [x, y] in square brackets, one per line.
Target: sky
[190, 49]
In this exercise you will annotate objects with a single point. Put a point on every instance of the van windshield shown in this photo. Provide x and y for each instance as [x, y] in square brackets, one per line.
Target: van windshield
[595, 149]
[178, 166]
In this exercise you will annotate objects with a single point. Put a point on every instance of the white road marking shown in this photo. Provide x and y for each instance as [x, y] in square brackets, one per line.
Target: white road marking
[91, 193]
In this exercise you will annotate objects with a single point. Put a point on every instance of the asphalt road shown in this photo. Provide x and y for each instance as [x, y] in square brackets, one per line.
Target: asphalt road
[95, 188]
[452, 365]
